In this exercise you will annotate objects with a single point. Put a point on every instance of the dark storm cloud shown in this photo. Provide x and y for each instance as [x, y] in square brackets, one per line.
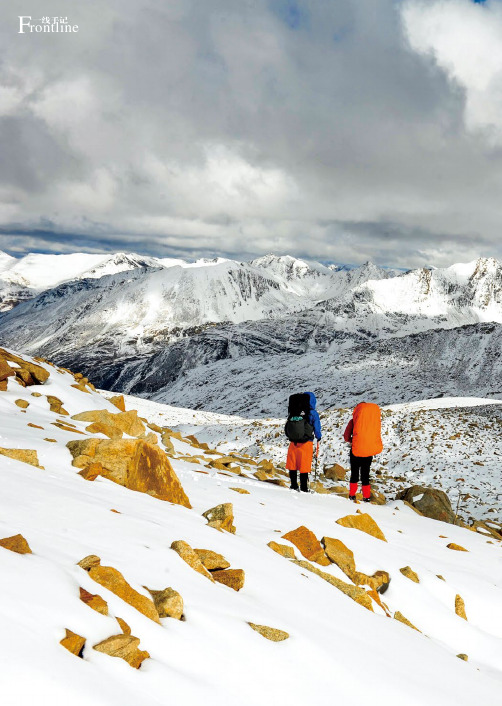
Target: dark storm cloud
[336, 130]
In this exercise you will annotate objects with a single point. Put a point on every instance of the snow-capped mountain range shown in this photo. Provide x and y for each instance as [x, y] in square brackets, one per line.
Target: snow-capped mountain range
[215, 334]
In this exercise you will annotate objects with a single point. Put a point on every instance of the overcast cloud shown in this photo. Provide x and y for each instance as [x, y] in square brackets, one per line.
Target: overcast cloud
[343, 131]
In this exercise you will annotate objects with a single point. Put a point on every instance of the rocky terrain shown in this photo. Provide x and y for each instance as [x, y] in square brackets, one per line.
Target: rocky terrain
[136, 558]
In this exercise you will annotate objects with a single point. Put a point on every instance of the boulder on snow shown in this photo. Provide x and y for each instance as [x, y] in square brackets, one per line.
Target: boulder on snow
[339, 554]
[431, 502]
[335, 472]
[410, 574]
[221, 517]
[73, 643]
[119, 402]
[460, 607]
[282, 549]
[89, 561]
[234, 578]
[364, 523]
[22, 404]
[25, 455]
[56, 405]
[94, 601]
[168, 602]
[5, 370]
[456, 547]
[400, 617]
[212, 560]
[133, 463]
[123, 626]
[242, 491]
[185, 551]
[113, 580]
[307, 544]
[17, 543]
[124, 646]
[272, 634]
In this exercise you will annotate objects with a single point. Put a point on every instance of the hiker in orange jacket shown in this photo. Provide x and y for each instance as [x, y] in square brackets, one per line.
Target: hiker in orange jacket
[363, 432]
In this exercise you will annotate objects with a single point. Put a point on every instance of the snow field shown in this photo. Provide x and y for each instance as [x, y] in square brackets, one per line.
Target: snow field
[336, 648]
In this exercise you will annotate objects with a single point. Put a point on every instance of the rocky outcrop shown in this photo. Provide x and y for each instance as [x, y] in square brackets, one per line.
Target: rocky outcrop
[364, 523]
[431, 502]
[29, 456]
[212, 560]
[133, 463]
[113, 580]
[272, 634]
[339, 554]
[185, 551]
[27, 373]
[221, 517]
[234, 578]
[94, 601]
[17, 543]
[410, 574]
[124, 646]
[73, 643]
[121, 422]
[168, 602]
[119, 402]
[307, 544]
[91, 472]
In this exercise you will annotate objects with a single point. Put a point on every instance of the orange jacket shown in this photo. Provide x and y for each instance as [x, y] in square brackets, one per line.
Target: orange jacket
[364, 430]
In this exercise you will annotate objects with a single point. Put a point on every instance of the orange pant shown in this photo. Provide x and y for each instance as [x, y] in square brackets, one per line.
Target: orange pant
[300, 457]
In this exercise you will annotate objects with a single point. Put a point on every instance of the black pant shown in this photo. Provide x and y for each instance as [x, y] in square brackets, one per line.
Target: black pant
[304, 481]
[360, 465]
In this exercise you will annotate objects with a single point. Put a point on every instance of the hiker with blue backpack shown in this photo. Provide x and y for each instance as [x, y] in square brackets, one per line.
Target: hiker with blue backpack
[302, 426]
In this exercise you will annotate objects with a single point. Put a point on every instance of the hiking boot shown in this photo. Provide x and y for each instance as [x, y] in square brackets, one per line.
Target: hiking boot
[366, 500]
[353, 498]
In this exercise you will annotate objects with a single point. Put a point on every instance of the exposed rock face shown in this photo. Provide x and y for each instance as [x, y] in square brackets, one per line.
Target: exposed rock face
[113, 580]
[188, 555]
[92, 471]
[357, 594]
[400, 617]
[363, 522]
[460, 607]
[133, 463]
[410, 574]
[212, 560]
[456, 547]
[282, 549]
[169, 603]
[17, 543]
[25, 455]
[125, 647]
[431, 502]
[270, 633]
[5, 369]
[221, 517]
[335, 472]
[234, 578]
[308, 545]
[73, 643]
[94, 601]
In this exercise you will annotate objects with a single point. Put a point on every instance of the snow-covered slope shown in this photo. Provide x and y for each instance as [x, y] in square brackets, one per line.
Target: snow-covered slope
[337, 651]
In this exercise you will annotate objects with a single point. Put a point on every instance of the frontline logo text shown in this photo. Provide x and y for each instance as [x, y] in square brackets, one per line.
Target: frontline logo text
[45, 24]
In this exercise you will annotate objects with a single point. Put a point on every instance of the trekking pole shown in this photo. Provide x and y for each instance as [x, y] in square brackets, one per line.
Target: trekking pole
[316, 461]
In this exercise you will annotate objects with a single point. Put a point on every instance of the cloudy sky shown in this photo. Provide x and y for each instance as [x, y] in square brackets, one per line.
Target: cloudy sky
[343, 131]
